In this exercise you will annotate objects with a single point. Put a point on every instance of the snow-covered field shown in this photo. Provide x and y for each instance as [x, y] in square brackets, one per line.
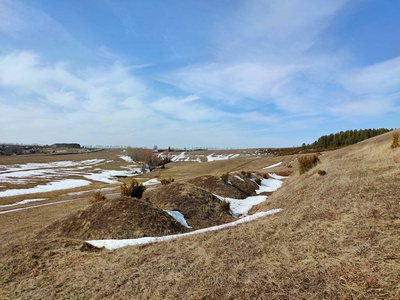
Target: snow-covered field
[52, 186]
[185, 157]
[54, 176]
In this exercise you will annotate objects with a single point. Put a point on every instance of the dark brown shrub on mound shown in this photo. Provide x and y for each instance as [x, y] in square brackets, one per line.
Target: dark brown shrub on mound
[200, 207]
[121, 218]
[238, 189]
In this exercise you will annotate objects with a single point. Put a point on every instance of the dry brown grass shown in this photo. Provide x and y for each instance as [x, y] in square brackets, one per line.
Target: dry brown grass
[200, 207]
[238, 189]
[395, 140]
[120, 218]
[337, 238]
[97, 197]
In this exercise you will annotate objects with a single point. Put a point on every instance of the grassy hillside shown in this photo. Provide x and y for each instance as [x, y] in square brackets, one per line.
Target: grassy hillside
[337, 238]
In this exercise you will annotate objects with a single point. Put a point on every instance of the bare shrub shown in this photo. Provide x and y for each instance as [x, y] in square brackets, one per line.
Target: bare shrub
[134, 190]
[395, 140]
[167, 181]
[258, 181]
[321, 172]
[265, 176]
[243, 173]
[147, 157]
[248, 173]
[307, 162]
[97, 197]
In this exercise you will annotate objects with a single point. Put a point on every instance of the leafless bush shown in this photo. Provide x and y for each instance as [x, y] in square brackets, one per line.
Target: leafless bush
[147, 157]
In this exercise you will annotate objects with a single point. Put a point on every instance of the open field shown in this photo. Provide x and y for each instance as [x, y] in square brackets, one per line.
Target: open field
[337, 237]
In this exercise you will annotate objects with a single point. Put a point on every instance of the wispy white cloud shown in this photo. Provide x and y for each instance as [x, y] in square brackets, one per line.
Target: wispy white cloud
[265, 53]
[46, 103]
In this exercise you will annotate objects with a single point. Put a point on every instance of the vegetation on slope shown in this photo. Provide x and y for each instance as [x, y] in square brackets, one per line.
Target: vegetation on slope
[336, 238]
[200, 207]
[346, 138]
[238, 189]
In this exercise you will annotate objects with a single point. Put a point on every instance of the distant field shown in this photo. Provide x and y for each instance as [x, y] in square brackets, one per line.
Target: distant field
[25, 178]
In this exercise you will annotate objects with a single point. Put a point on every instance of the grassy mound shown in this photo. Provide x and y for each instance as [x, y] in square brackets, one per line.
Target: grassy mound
[239, 189]
[200, 207]
[121, 218]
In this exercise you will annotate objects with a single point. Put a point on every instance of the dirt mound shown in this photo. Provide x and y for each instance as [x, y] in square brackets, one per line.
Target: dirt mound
[115, 219]
[200, 207]
[239, 187]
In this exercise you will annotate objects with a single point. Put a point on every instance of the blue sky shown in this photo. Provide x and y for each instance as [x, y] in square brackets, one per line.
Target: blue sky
[187, 73]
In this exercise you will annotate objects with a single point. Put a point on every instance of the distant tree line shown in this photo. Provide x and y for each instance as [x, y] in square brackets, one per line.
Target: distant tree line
[67, 145]
[346, 138]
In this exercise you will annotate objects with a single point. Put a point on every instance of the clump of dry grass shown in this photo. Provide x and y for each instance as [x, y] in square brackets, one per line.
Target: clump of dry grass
[321, 172]
[395, 140]
[165, 181]
[225, 206]
[307, 162]
[225, 177]
[97, 197]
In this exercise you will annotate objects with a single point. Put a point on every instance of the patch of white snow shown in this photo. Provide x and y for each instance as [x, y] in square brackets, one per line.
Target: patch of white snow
[23, 202]
[269, 185]
[274, 165]
[178, 216]
[52, 186]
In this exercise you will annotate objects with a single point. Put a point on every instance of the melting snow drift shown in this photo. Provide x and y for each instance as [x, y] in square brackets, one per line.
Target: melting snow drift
[52, 186]
[178, 216]
[271, 166]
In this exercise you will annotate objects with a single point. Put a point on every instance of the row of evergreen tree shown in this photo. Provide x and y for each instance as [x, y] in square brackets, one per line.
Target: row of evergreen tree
[346, 138]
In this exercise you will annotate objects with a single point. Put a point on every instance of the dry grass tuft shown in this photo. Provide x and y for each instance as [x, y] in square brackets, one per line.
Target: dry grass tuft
[165, 181]
[307, 162]
[321, 172]
[395, 140]
[97, 197]
[225, 177]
